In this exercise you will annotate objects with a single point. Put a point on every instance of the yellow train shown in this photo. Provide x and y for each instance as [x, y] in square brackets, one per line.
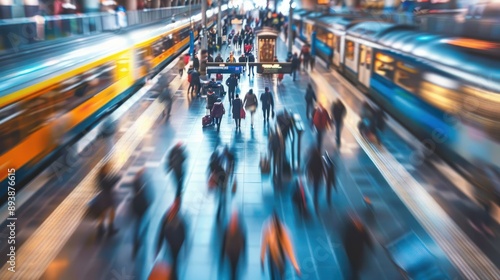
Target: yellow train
[58, 97]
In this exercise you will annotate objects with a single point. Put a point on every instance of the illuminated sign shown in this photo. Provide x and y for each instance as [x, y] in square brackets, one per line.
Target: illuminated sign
[274, 68]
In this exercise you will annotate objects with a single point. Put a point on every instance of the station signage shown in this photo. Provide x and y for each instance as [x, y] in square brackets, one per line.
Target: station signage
[274, 68]
[225, 68]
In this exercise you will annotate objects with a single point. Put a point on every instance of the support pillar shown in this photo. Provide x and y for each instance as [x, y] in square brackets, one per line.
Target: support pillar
[204, 41]
[290, 23]
[31, 8]
[91, 6]
[131, 5]
[6, 9]
[219, 24]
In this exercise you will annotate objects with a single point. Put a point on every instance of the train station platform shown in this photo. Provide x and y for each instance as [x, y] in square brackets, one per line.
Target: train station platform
[418, 219]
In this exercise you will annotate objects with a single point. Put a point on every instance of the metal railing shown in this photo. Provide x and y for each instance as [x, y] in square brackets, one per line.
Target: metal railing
[21, 34]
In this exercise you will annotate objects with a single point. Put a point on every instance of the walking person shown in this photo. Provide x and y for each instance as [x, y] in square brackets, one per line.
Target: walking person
[338, 111]
[251, 104]
[355, 239]
[267, 101]
[219, 58]
[312, 61]
[233, 245]
[305, 56]
[173, 231]
[195, 85]
[166, 96]
[140, 204]
[237, 107]
[277, 246]
[231, 84]
[106, 183]
[180, 66]
[330, 176]
[315, 171]
[240, 40]
[242, 59]
[221, 179]
[310, 98]
[217, 112]
[196, 62]
[321, 120]
[251, 59]
[175, 162]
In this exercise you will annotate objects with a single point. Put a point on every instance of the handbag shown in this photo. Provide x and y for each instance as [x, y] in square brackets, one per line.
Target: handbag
[242, 113]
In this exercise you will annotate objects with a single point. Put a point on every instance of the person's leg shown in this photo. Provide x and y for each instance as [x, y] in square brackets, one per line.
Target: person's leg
[308, 109]
[251, 117]
[339, 132]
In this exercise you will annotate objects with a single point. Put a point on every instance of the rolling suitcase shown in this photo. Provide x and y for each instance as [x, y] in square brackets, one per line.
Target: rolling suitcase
[206, 120]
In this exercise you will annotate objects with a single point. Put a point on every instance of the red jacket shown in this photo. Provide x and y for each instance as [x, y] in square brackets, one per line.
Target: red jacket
[321, 118]
[218, 110]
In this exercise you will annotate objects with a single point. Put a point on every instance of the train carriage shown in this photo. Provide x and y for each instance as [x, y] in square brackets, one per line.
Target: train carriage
[45, 103]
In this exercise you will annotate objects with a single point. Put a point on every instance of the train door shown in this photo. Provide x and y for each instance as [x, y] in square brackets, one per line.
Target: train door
[351, 55]
[337, 49]
[365, 65]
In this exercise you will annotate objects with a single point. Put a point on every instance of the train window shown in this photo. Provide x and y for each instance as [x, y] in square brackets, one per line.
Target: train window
[384, 66]
[407, 77]
[362, 55]
[365, 58]
[440, 97]
[9, 127]
[349, 53]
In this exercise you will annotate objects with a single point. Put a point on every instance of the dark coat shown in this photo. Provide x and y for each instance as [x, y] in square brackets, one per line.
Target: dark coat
[195, 77]
[338, 111]
[232, 82]
[237, 105]
[251, 57]
[196, 63]
[355, 242]
[219, 59]
[266, 99]
[242, 59]
[218, 110]
[174, 232]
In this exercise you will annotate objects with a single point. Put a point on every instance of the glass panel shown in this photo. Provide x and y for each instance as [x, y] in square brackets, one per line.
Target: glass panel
[407, 77]
[349, 50]
[384, 66]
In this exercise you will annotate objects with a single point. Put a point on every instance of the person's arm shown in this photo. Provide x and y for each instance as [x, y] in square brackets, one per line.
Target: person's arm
[263, 248]
[161, 236]
[288, 248]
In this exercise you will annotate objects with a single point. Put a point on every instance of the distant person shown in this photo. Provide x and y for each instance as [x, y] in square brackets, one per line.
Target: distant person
[196, 63]
[315, 171]
[180, 66]
[106, 181]
[338, 111]
[321, 120]
[310, 98]
[250, 102]
[219, 58]
[237, 107]
[251, 58]
[175, 162]
[231, 84]
[267, 103]
[217, 112]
